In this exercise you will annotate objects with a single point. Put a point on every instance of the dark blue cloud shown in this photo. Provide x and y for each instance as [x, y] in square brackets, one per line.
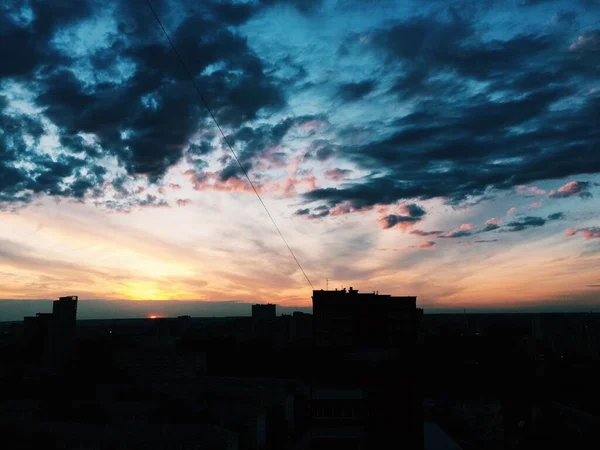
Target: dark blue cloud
[426, 233]
[489, 227]
[485, 114]
[304, 6]
[256, 141]
[458, 143]
[148, 119]
[457, 234]
[351, 92]
[414, 210]
[317, 213]
[392, 220]
[24, 173]
[525, 222]
[410, 214]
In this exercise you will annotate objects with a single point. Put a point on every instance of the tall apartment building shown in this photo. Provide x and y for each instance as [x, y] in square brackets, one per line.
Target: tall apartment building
[60, 346]
[365, 386]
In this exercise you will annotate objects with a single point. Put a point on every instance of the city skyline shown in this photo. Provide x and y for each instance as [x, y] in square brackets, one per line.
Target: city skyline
[444, 152]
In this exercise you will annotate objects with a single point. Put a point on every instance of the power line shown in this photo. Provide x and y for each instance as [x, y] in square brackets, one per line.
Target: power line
[189, 74]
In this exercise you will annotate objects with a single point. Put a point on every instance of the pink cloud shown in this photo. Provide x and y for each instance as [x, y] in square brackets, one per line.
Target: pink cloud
[273, 158]
[347, 208]
[172, 186]
[337, 174]
[427, 245]
[494, 221]
[588, 233]
[535, 205]
[462, 231]
[296, 177]
[571, 189]
[383, 210]
[530, 190]
[511, 211]
[204, 181]
[311, 126]
[290, 183]
[184, 201]
[211, 181]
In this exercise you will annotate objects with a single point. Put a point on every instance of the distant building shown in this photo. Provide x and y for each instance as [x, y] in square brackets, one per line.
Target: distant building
[262, 311]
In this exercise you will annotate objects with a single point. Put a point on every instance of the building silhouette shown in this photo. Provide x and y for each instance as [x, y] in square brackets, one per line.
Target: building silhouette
[264, 311]
[61, 339]
[365, 391]
[49, 338]
[349, 319]
[35, 335]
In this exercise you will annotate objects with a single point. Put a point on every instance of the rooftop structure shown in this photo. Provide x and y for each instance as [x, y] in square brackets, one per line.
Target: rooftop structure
[349, 319]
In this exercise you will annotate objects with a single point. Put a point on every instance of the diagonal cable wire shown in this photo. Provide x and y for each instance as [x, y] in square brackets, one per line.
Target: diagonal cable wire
[188, 73]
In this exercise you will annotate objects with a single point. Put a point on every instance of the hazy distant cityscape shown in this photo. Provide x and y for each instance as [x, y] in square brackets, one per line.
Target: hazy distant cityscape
[361, 371]
[116, 309]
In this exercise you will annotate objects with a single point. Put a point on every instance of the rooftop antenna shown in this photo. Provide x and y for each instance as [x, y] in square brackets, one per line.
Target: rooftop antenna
[327, 284]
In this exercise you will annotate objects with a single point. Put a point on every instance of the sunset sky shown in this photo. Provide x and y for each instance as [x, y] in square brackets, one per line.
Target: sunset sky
[448, 150]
